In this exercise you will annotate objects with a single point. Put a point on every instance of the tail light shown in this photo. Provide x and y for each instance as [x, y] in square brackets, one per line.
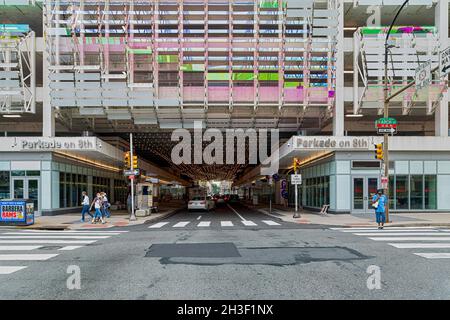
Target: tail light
[202, 202]
[190, 202]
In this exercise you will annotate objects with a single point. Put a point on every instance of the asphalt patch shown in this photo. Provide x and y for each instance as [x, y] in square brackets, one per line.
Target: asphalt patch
[194, 250]
[273, 256]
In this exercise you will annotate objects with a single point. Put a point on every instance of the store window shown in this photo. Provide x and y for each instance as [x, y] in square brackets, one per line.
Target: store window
[401, 192]
[4, 185]
[416, 191]
[430, 192]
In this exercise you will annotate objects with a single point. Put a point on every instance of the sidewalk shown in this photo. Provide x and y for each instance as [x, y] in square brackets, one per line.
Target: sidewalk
[118, 218]
[356, 220]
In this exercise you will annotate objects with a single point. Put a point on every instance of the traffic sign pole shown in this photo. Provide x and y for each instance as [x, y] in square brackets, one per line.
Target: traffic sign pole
[133, 216]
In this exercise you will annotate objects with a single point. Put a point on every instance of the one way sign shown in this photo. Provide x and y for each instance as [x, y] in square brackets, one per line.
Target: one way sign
[444, 62]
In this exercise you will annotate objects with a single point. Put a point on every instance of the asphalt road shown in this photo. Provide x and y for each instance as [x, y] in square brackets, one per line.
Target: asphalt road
[216, 255]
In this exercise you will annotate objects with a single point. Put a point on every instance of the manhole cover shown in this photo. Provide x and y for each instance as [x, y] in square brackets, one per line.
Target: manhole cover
[195, 250]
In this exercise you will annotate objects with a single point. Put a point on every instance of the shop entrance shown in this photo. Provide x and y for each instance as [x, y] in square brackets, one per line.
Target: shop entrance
[26, 188]
[363, 188]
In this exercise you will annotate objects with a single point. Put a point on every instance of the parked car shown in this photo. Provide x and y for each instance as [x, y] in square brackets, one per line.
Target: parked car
[234, 198]
[201, 203]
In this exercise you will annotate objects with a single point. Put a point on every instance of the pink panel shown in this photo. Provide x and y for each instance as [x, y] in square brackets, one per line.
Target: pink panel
[193, 45]
[293, 94]
[268, 94]
[216, 94]
[318, 95]
[193, 94]
[167, 45]
[243, 94]
[218, 45]
[168, 92]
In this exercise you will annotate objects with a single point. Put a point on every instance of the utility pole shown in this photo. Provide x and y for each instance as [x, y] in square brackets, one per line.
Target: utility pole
[296, 214]
[133, 216]
[386, 107]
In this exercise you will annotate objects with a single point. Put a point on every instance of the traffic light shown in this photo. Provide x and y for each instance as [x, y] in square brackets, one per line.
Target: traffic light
[296, 164]
[126, 159]
[135, 162]
[379, 155]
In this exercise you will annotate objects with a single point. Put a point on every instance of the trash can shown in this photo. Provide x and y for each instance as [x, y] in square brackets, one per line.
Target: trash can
[16, 212]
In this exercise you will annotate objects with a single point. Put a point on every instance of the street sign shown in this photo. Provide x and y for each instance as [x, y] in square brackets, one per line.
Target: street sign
[133, 172]
[296, 179]
[444, 62]
[131, 177]
[384, 182]
[423, 75]
[386, 125]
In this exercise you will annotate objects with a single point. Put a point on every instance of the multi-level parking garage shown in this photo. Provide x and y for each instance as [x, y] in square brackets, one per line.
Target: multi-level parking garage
[307, 68]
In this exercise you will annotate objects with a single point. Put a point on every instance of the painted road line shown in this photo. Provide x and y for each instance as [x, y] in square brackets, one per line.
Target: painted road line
[158, 225]
[10, 269]
[181, 224]
[249, 223]
[47, 241]
[399, 229]
[226, 223]
[271, 223]
[237, 213]
[27, 257]
[54, 237]
[204, 224]
[420, 245]
[69, 248]
[435, 255]
[404, 234]
[411, 239]
[199, 217]
[19, 248]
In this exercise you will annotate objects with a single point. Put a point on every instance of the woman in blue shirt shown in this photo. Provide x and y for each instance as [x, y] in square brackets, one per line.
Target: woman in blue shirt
[379, 202]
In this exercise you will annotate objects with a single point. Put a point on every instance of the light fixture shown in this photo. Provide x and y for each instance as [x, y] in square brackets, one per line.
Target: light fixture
[352, 115]
[12, 116]
[350, 28]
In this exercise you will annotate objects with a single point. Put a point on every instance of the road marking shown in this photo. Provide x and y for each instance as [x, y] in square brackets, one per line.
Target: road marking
[47, 241]
[19, 248]
[435, 255]
[158, 225]
[404, 234]
[420, 245]
[199, 217]
[69, 248]
[72, 231]
[249, 223]
[411, 239]
[27, 257]
[204, 224]
[237, 213]
[388, 229]
[54, 237]
[271, 223]
[181, 224]
[226, 223]
[9, 270]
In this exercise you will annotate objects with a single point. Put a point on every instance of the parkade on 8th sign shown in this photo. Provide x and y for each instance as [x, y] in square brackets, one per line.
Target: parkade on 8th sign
[334, 143]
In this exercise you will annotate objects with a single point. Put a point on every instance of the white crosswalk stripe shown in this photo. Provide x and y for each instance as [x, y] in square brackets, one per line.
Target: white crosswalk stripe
[271, 223]
[181, 224]
[226, 223]
[158, 225]
[24, 245]
[431, 240]
[248, 223]
[204, 224]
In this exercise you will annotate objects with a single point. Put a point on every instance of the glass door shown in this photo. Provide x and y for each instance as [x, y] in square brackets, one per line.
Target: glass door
[18, 188]
[33, 192]
[363, 189]
[26, 188]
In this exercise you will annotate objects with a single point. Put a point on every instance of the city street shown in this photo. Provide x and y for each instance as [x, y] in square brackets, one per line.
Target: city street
[231, 252]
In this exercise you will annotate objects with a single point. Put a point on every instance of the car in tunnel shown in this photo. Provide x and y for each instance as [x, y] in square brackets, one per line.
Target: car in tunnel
[201, 203]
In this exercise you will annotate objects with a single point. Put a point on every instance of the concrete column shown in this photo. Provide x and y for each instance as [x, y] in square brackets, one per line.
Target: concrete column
[441, 113]
[338, 114]
[48, 115]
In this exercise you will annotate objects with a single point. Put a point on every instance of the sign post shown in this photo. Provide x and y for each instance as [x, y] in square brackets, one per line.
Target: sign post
[296, 179]
[133, 216]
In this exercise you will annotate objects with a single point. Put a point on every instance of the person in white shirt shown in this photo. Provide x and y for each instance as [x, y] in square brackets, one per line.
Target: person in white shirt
[85, 206]
[97, 203]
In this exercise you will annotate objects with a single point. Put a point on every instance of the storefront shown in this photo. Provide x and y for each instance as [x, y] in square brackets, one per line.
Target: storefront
[54, 172]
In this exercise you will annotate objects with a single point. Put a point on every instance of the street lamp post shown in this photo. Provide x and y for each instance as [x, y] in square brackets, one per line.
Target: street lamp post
[386, 106]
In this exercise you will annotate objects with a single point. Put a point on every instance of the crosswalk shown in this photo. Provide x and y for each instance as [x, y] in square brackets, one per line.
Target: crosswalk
[426, 242]
[212, 224]
[19, 247]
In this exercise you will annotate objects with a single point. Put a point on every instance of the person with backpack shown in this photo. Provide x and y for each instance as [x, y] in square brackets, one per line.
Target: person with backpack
[379, 203]
[106, 205]
[97, 204]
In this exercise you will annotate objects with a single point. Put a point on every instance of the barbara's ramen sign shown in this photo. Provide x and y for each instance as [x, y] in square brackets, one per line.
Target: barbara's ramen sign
[333, 143]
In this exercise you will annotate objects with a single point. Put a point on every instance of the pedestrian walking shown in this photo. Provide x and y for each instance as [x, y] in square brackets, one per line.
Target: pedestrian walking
[379, 202]
[97, 203]
[85, 205]
[106, 205]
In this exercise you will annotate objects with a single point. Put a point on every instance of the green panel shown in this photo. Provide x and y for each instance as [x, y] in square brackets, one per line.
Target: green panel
[168, 58]
[139, 51]
[268, 4]
[244, 76]
[268, 76]
[193, 67]
[218, 76]
[293, 84]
